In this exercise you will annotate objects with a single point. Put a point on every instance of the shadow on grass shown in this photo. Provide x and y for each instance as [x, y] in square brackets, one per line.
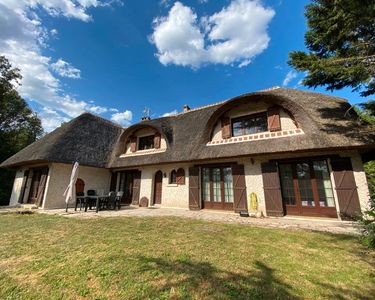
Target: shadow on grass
[204, 280]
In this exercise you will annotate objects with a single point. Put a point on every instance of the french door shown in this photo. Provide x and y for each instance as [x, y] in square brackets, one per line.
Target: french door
[306, 188]
[217, 188]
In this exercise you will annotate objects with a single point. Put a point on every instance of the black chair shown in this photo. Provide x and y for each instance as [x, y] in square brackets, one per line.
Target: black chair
[90, 201]
[80, 200]
[119, 196]
[112, 201]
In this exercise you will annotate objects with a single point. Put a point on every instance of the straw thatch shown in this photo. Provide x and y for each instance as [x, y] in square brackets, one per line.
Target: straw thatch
[87, 139]
[328, 123]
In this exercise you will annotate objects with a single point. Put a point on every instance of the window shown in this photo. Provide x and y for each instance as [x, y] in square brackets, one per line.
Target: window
[173, 177]
[217, 187]
[146, 142]
[249, 124]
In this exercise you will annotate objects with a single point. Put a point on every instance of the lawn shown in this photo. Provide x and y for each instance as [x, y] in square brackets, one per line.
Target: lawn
[51, 257]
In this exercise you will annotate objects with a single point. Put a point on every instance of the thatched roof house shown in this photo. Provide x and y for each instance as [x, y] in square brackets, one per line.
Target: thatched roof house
[258, 131]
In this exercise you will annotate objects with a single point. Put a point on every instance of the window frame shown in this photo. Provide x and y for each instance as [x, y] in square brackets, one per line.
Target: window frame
[171, 181]
[246, 117]
[150, 137]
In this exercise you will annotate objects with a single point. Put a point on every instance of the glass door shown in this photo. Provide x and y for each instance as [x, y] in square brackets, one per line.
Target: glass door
[306, 188]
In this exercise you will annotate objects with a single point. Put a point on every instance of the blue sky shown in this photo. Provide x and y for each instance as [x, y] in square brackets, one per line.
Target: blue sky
[114, 58]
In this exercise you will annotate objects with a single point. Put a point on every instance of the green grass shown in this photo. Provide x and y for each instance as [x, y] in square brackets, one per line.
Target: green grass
[50, 257]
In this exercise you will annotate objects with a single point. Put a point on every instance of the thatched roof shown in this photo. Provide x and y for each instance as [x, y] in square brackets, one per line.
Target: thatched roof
[328, 124]
[87, 139]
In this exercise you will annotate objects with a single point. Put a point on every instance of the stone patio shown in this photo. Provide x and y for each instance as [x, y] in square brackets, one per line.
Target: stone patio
[293, 223]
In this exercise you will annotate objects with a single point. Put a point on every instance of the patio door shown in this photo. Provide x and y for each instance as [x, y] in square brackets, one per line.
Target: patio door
[126, 186]
[217, 188]
[306, 188]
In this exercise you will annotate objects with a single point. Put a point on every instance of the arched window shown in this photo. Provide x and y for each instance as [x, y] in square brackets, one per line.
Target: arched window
[180, 176]
[173, 177]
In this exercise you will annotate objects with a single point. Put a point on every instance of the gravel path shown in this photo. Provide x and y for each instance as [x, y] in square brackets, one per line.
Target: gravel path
[311, 224]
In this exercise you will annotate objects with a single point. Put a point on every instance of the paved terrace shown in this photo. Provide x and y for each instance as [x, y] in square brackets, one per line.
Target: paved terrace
[311, 224]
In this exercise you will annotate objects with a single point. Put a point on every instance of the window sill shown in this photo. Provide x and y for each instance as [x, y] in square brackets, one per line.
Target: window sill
[143, 152]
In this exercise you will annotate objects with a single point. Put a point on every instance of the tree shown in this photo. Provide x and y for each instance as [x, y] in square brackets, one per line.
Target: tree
[19, 125]
[341, 41]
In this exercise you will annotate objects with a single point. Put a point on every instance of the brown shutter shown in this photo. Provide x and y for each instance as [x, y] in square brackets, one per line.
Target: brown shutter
[157, 139]
[272, 190]
[273, 114]
[41, 187]
[136, 187]
[346, 188]
[225, 128]
[113, 182]
[133, 143]
[180, 176]
[239, 188]
[24, 184]
[194, 197]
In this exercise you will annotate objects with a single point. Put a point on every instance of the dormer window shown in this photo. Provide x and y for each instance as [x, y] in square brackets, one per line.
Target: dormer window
[146, 142]
[249, 124]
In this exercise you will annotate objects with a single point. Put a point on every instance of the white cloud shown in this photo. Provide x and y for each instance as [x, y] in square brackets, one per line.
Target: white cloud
[22, 40]
[65, 69]
[171, 113]
[235, 35]
[289, 77]
[123, 118]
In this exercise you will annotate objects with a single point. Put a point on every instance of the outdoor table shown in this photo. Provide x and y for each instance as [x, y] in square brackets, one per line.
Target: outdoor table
[99, 199]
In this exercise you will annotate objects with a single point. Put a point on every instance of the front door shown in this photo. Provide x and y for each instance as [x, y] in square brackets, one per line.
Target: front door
[306, 188]
[217, 188]
[158, 185]
[126, 186]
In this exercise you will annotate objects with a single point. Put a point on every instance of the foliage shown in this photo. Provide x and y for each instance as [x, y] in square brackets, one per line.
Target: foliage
[19, 125]
[176, 258]
[341, 41]
[368, 223]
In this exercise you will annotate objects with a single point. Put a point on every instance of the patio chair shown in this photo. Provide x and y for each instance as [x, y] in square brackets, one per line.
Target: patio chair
[90, 201]
[118, 199]
[80, 200]
[111, 202]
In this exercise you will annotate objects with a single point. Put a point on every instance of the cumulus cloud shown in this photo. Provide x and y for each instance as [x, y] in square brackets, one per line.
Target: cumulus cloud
[65, 69]
[234, 35]
[123, 118]
[171, 113]
[289, 77]
[23, 38]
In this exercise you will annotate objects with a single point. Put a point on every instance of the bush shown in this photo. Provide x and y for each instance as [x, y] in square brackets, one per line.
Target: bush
[368, 233]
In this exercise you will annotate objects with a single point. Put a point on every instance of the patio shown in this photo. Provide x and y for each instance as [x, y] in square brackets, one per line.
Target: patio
[293, 223]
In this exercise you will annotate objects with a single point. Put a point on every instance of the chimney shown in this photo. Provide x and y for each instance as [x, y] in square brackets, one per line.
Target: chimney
[145, 118]
[186, 108]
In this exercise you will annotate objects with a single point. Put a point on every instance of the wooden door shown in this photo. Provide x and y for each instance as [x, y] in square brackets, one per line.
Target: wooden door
[194, 200]
[37, 187]
[158, 184]
[272, 191]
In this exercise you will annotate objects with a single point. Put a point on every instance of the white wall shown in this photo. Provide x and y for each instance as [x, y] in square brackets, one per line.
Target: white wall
[58, 179]
[173, 195]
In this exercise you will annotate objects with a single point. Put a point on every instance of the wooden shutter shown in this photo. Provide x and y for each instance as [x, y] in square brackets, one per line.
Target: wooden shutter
[239, 188]
[272, 190]
[180, 176]
[41, 187]
[113, 184]
[136, 187]
[133, 143]
[225, 128]
[346, 188]
[157, 139]
[194, 195]
[23, 187]
[273, 116]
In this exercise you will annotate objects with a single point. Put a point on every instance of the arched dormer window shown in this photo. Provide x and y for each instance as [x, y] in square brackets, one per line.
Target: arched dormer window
[173, 177]
[180, 176]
